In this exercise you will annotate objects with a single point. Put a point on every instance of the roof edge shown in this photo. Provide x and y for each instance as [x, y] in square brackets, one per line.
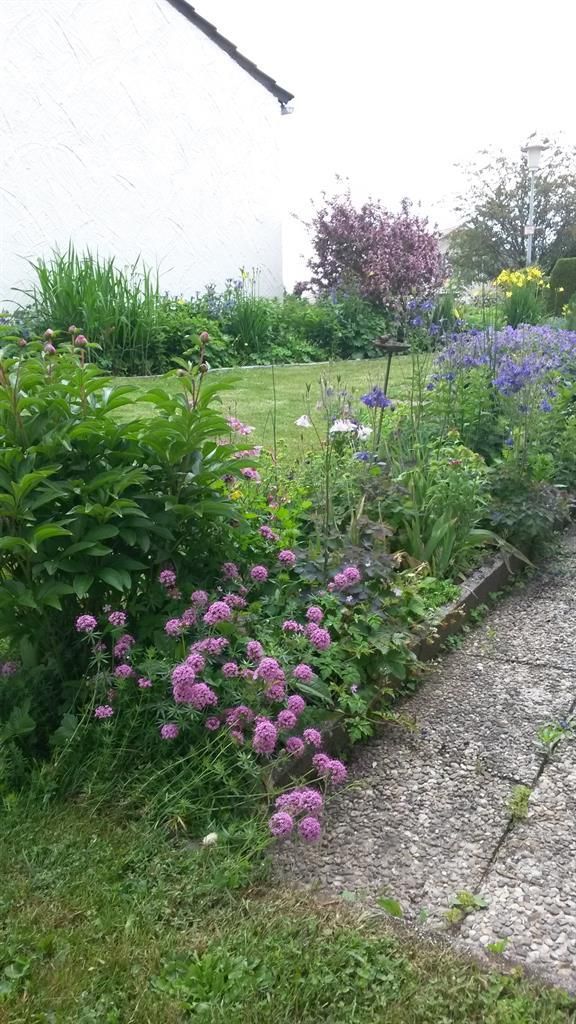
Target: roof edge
[209, 30]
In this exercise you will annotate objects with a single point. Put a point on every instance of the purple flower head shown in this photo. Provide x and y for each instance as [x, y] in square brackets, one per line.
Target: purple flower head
[8, 668]
[311, 800]
[230, 571]
[123, 671]
[167, 578]
[310, 829]
[217, 612]
[290, 626]
[239, 427]
[294, 746]
[286, 719]
[270, 671]
[376, 399]
[81, 340]
[173, 627]
[254, 650]
[183, 674]
[188, 617]
[117, 619]
[303, 673]
[237, 735]
[259, 573]
[313, 738]
[281, 824]
[275, 692]
[240, 715]
[144, 683]
[296, 704]
[86, 624]
[268, 533]
[169, 731]
[234, 601]
[347, 578]
[545, 405]
[201, 696]
[199, 597]
[103, 711]
[196, 661]
[230, 669]
[338, 772]
[251, 474]
[320, 639]
[212, 724]
[314, 614]
[265, 737]
[321, 763]
[287, 558]
[49, 348]
[215, 644]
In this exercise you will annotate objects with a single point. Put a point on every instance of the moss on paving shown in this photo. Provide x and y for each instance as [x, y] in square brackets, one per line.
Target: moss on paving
[117, 923]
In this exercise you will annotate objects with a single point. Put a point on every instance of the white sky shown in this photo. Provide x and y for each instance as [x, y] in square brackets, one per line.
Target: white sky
[393, 94]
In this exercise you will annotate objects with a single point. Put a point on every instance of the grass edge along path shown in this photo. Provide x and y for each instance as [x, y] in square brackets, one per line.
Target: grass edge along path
[120, 924]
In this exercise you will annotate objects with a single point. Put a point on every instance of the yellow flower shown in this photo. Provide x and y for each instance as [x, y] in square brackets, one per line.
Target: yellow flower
[559, 289]
[235, 495]
[508, 295]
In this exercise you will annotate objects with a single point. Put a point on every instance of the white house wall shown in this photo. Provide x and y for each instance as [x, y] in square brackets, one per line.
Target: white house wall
[126, 130]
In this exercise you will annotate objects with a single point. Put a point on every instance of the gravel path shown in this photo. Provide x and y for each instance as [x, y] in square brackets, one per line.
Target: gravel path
[427, 813]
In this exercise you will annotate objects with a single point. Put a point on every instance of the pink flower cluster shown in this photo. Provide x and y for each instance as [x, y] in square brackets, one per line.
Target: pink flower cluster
[347, 578]
[251, 474]
[86, 624]
[287, 558]
[268, 533]
[217, 612]
[123, 645]
[307, 802]
[238, 427]
[117, 619]
[259, 573]
[330, 768]
[319, 638]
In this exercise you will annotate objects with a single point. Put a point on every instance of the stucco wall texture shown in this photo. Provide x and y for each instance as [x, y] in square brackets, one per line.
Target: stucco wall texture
[126, 130]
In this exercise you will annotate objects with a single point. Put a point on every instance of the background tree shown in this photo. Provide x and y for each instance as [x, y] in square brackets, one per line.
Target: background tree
[385, 257]
[493, 212]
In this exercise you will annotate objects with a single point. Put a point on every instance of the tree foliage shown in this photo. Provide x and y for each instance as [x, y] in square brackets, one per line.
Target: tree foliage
[385, 257]
[493, 212]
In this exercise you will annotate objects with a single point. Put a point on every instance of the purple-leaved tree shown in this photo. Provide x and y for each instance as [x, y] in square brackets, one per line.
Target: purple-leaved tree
[387, 258]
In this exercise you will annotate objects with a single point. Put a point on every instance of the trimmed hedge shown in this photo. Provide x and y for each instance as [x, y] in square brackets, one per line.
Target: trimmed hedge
[563, 277]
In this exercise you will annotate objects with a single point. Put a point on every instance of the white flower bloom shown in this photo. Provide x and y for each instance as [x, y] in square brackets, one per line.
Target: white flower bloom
[343, 427]
[364, 432]
[303, 421]
[211, 839]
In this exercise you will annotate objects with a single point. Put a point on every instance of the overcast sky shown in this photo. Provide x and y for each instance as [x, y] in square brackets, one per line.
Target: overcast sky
[394, 94]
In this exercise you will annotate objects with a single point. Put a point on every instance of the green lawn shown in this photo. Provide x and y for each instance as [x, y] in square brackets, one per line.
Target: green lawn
[261, 392]
[105, 922]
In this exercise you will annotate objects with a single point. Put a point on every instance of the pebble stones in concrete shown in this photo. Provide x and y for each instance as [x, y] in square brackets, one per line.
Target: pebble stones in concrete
[427, 812]
[531, 886]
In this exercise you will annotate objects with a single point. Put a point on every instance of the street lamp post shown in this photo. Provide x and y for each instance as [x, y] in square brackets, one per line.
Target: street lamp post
[533, 150]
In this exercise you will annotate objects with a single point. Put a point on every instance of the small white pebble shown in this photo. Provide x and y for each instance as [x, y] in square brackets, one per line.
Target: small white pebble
[211, 839]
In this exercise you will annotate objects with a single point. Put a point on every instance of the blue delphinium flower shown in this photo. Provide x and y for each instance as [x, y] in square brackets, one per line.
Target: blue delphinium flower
[376, 399]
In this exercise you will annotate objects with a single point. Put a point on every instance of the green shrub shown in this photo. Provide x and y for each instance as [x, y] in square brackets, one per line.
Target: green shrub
[118, 309]
[179, 328]
[523, 305]
[91, 506]
[562, 283]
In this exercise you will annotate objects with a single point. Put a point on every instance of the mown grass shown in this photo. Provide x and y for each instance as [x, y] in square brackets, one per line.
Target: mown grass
[263, 394]
[118, 923]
